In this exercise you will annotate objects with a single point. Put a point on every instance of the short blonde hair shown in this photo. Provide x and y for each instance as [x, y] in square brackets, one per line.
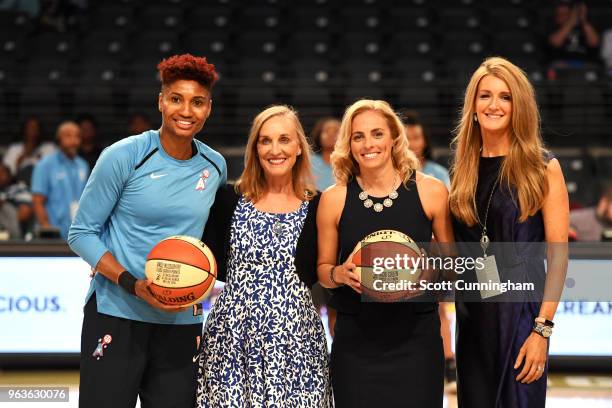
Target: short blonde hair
[252, 181]
[343, 163]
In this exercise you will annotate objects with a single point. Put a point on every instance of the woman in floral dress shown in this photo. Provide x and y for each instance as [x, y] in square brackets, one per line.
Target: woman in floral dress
[264, 343]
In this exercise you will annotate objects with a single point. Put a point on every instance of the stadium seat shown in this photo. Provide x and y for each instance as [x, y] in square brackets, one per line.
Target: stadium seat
[510, 18]
[417, 45]
[53, 46]
[257, 44]
[408, 18]
[464, 44]
[578, 171]
[167, 16]
[363, 79]
[360, 18]
[105, 45]
[516, 44]
[256, 71]
[464, 18]
[309, 45]
[361, 46]
[15, 23]
[312, 19]
[312, 72]
[414, 71]
[216, 46]
[118, 16]
[260, 17]
[12, 46]
[152, 46]
[211, 18]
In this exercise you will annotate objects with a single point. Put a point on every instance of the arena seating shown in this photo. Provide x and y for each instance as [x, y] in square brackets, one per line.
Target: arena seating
[318, 55]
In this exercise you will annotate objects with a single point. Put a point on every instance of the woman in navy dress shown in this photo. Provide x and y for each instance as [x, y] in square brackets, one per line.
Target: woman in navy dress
[384, 354]
[506, 188]
[264, 343]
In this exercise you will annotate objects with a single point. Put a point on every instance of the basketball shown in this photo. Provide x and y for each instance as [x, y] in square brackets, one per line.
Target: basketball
[386, 260]
[182, 270]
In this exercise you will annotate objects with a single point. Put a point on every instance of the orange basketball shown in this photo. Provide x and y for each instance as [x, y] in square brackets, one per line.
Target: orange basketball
[182, 270]
[387, 282]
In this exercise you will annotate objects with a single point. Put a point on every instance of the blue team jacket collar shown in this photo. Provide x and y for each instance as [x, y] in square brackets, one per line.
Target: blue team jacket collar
[156, 136]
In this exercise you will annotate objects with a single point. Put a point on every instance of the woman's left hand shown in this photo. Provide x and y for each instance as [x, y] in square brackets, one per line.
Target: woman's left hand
[534, 353]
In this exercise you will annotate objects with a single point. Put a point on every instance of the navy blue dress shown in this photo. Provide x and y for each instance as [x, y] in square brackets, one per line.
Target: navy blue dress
[489, 335]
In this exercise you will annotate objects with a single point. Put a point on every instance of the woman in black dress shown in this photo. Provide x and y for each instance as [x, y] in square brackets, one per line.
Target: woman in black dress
[384, 354]
[507, 188]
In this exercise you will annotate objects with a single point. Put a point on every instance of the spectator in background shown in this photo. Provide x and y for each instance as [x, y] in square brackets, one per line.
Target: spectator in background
[606, 51]
[138, 123]
[61, 14]
[419, 144]
[30, 150]
[594, 224]
[90, 149]
[418, 139]
[58, 181]
[575, 40]
[30, 7]
[9, 224]
[323, 137]
[18, 197]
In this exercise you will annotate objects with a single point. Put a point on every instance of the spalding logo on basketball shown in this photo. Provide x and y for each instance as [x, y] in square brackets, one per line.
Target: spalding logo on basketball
[182, 270]
[386, 260]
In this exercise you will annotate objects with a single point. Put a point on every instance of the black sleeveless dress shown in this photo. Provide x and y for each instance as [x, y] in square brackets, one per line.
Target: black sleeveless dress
[489, 335]
[385, 354]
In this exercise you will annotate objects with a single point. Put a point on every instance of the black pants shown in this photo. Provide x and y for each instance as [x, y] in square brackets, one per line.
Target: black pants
[153, 361]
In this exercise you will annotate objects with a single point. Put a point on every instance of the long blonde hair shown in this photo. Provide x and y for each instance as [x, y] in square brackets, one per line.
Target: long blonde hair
[252, 181]
[343, 162]
[523, 169]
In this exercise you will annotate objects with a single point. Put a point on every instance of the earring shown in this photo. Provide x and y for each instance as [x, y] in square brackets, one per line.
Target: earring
[475, 118]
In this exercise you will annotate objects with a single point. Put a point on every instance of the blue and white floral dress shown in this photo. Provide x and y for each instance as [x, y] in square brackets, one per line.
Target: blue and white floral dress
[264, 343]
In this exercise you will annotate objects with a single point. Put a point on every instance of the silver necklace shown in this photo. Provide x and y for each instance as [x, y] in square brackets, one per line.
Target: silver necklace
[378, 207]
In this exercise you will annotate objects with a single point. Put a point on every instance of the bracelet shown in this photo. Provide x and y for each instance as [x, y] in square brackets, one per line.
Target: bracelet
[542, 330]
[544, 321]
[128, 282]
[331, 276]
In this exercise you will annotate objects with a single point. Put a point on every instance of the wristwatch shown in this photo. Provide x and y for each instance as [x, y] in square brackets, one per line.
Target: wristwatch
[542, 330]
[545, 321]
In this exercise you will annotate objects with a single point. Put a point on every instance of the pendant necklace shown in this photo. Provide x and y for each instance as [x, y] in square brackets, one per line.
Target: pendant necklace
[484, 238]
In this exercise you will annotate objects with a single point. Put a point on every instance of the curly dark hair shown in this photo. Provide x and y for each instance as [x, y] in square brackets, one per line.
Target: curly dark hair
[186, 66]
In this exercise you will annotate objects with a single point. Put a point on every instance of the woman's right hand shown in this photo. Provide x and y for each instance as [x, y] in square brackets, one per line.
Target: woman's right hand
[143, 292]
[346, 274]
